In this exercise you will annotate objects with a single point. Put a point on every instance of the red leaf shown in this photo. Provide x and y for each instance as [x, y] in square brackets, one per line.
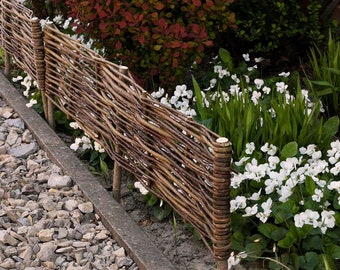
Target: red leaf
[118, 45]
[141, 40]
[197, 3]
[159, 6]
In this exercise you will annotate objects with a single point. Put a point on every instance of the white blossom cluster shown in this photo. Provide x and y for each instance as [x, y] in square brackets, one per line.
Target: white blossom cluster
[29, 84]
[84, 142]
[282, 178]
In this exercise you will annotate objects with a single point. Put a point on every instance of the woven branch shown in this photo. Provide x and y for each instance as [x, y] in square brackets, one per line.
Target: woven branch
[21, 36]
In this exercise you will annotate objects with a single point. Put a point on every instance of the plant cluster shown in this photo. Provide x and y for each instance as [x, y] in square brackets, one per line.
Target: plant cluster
[286, 205]
[325, 78]
[157, 40]
[264, 26]
[236, 103]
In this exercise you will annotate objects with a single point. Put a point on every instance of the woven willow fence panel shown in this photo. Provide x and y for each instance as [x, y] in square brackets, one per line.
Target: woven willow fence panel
[21, 36]
[176, 158]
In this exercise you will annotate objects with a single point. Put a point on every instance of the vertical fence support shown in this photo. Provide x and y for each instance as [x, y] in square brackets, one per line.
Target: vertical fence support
[221, 202]
[50, 107]
[39, 53]
[7, 70]
[117, 170]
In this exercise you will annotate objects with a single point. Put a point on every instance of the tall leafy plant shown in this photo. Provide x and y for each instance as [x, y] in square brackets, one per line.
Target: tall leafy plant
[325, 78]
[245, 108]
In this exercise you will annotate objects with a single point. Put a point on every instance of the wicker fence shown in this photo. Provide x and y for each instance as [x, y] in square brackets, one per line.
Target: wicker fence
[174, 157]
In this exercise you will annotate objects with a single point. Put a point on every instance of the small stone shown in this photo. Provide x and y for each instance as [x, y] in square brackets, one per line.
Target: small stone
[8, 263]
[70, 205]
[17, 122]
[59, 181]
[23, 150]
[46, 252]
[101, 236]
[88, 236]
[124, 261]
[119, 252]
[6, 238]
[12, 137]
[31, 165]
[10, 251]
[64, 250]
[86, 207]
[26, 253]
[26, 136]
[46, 235]
[62, 233]
[80, 244]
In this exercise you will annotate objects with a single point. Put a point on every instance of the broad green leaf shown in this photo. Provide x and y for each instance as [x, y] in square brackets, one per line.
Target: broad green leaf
[331, 126]
[199, 100]
[237, 241]
[333, 251]
[289, 150]
[254, 250]
[267, 229]
[288, 241]
[226, 58]
[310, 185]
[279, 234]
[332, 70]
[152, 200]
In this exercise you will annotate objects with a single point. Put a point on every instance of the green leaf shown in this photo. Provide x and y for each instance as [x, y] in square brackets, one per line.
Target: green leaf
[278, 234]
[237, 241]
[310, 185]
[322, 83]
[162, 212]
[254, 250]
[289, 150]
[288, 241]
[267, 229]
[199, 100]
[333, 251]
[152, 200]
[226, 58]
[310, 261]
[331, 126]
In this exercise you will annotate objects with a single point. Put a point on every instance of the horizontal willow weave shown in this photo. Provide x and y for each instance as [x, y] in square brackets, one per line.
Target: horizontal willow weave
[176, 158]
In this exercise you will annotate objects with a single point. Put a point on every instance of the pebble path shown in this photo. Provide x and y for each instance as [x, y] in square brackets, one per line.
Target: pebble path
[45, 222]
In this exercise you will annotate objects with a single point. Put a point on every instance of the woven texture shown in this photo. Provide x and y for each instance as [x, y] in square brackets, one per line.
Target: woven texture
[21, 36]
[174, 157]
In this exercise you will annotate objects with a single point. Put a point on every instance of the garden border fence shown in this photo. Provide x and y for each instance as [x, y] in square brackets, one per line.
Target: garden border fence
[174, 157]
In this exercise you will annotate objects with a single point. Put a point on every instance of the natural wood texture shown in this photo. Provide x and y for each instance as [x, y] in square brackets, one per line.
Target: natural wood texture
[174, 157]
[22, 38]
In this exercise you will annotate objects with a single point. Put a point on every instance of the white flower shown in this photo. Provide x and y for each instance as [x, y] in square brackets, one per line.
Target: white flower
[16, 79]
[259, 83]
[318, 194]
[335, 185]
[266, 90]
[238, 203]
[250, 211]
[234, 89]
[74, 125]
[255, 97]
[255, 196]
[269, 149]
[236, 180]
[98, 147]
[86, 143]
[235, 78]
[284, 74]
[336, 169]
[266, 206]
[246, 57]
[180, 90]
[285, 192]
[31, 103]
[141, 188]
[250, 147]
[327, 220]
[74, 146]
[281, 87]
[258, 59]
[241, 161]
[158, 94]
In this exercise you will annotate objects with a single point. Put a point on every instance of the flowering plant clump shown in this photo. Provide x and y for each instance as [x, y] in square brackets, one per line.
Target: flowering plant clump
[237, 103]
[286, 204]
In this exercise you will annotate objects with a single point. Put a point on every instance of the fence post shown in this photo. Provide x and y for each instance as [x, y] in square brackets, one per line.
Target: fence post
[221, 202]
[7, 70]
[117, 170]
[49, 104]
[39, 53]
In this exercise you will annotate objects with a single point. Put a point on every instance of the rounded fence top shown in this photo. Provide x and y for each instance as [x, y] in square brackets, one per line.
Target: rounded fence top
[222, 140]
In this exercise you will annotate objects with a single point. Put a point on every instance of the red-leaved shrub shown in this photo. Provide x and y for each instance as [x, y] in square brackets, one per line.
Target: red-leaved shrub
[157, 40]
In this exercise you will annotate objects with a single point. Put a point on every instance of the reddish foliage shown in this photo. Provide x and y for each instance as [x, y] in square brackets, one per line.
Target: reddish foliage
[153, 38]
